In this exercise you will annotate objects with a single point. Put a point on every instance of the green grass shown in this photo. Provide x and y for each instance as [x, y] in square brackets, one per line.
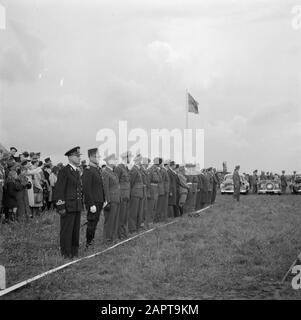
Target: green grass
[232, 251]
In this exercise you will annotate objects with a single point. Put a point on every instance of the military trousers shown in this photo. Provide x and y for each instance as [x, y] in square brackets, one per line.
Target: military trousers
[160, 207]
[123, 228]
[135, 215]
[69, 234]
[92, 221]
[236, 193]
[111, 222]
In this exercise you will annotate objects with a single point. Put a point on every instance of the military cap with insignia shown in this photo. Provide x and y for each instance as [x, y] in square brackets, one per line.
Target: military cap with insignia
[47, 160]
[73, 152]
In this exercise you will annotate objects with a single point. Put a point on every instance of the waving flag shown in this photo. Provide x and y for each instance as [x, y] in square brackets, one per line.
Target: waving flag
[192, 104]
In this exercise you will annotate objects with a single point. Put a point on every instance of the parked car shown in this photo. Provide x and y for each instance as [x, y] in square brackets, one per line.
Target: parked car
[296, 185]
[269, 186]
[227, 185]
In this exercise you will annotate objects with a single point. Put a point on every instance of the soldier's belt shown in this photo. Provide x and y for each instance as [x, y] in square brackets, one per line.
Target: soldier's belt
[154, 184]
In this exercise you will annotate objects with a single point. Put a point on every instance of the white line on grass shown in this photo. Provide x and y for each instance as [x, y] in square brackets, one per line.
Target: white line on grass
[25, 282]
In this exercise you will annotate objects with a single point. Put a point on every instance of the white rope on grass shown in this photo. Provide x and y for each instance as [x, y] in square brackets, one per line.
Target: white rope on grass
[26, 282]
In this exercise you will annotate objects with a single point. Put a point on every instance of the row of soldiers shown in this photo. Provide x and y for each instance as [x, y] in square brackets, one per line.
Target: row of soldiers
[132, 194]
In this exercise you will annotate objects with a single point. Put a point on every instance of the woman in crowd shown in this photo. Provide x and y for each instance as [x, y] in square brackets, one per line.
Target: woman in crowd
[10, 195]
[35, 193]
[23, 184]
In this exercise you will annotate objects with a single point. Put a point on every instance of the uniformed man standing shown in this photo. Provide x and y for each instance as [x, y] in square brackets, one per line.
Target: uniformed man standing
[166, 182]
[136, 209]
[210, 185]
[255, 181]
[146, 190]
[161, 192]
[283, 182]
[154, 178]
[112, 196]
[122, 172]
[93, 193]
[68, 198]
[204, 189]
[215, 185]
[236, 183]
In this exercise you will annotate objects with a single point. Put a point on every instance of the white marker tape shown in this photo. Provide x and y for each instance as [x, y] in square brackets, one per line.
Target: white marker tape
[25, 282]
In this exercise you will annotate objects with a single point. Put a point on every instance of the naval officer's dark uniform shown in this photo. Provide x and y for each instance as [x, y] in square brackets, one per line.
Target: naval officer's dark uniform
[68, 198]
[93, 196]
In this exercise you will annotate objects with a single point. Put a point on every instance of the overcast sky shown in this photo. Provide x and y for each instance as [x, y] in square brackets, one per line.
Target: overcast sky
[70, 68]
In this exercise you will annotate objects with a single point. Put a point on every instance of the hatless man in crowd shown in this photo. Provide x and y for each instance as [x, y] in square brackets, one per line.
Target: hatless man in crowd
[68, 197]
[93, 193]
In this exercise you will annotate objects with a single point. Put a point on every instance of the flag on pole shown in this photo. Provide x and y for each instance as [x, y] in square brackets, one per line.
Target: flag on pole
[192, 104]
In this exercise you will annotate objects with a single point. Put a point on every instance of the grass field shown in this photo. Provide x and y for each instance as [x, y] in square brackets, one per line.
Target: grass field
[232, 251]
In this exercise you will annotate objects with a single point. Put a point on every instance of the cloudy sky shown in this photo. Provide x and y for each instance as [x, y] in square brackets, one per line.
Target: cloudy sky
[71, 68]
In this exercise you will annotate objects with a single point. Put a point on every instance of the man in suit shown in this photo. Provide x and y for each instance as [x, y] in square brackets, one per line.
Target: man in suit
[122, 172]
[236, 183]
[283, 182]
[68, 198]
[93, 193]
[112, 196]
[136, 209]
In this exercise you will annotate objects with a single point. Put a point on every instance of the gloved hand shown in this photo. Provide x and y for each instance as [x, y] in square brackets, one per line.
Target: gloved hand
[93, 209]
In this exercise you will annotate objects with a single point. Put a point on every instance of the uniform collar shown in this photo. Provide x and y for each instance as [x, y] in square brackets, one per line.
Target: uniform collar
[72, 166]
[91, 164]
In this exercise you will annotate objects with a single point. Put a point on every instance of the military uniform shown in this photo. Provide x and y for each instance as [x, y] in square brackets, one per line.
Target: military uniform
[125, 188]
[236, 185]
[173, 199]
[161, 193]
[215, 185]
[111, 210]
[68, 197]
[283, 182]
[154, 179]
[254, 182]
[136, 209]
[93, 196]
[165, 198]
[146, 195]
